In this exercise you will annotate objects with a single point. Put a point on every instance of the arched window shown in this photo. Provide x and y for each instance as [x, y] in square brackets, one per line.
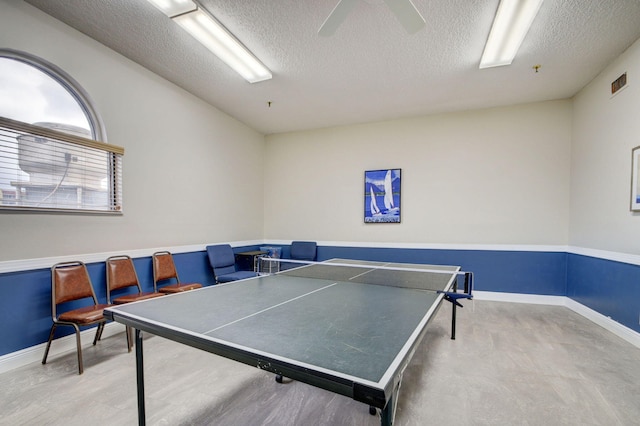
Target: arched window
[53, 150]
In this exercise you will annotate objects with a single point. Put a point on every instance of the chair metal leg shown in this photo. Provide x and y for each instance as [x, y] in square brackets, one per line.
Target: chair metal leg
[79, 345]
[97, 337]
[98, 333]
[46, 351]
[129, 338]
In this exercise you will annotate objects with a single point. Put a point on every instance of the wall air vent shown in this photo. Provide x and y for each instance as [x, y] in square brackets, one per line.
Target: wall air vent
[619, 83]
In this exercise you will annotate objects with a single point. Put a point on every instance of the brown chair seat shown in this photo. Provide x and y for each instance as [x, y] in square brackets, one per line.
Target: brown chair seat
[84, 315]
[135, 297]
[179, 288]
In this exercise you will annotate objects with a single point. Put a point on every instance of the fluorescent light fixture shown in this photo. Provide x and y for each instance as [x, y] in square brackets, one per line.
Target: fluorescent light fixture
[215, 37]
[510, 26]
[174, 7]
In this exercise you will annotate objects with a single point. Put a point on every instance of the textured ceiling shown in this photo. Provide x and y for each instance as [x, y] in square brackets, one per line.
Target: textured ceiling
[370, 69]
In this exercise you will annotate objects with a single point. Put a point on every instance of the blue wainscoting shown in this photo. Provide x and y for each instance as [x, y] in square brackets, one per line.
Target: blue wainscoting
[608, 287]
[25, 309]
[25, 297]
[540, 273]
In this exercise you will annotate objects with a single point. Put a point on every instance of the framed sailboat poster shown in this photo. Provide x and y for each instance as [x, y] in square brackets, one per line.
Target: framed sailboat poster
[382, 196]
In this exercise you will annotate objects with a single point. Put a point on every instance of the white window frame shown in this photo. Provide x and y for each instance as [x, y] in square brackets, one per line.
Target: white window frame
[97, 143]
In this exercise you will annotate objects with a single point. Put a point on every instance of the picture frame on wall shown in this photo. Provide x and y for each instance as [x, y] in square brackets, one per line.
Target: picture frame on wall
[635, 179]
[382, 189]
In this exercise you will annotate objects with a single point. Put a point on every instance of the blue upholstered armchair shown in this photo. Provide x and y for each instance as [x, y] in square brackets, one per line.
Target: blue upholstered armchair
[303, 250]
[223, 263]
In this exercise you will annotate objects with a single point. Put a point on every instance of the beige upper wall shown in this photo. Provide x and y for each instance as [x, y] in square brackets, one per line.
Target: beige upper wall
[190, 171]
[494, 176]
[606, 128]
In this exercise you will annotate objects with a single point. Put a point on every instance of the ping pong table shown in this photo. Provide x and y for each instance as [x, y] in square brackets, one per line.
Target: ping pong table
[349, 329]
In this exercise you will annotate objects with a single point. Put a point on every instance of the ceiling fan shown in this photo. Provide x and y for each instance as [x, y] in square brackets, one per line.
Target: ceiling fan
[404, 10]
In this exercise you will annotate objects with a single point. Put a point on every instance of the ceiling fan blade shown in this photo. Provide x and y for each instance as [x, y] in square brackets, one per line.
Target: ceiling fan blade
[336, 17]
[407, 14]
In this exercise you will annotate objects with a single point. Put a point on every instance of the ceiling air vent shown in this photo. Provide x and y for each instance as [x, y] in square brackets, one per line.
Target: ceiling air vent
[619, 83]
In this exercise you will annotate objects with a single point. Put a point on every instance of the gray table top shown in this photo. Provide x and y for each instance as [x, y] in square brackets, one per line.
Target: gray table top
[349, 323]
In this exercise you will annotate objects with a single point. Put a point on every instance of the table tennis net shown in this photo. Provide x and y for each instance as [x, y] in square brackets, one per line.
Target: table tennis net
[422, 277]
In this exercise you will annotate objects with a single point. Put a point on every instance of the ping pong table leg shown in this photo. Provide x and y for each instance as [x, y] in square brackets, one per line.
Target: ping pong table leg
[140, 378]
[453, 321]
[388, 413]
[453, 312]
[468, 288]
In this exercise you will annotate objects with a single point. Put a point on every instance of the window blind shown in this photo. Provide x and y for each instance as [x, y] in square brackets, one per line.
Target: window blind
[48, 170]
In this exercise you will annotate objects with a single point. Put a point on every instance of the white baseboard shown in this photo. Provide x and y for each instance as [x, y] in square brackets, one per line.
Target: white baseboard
[68, 343]
[605, 322]
[519, 298]
[59, 346]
